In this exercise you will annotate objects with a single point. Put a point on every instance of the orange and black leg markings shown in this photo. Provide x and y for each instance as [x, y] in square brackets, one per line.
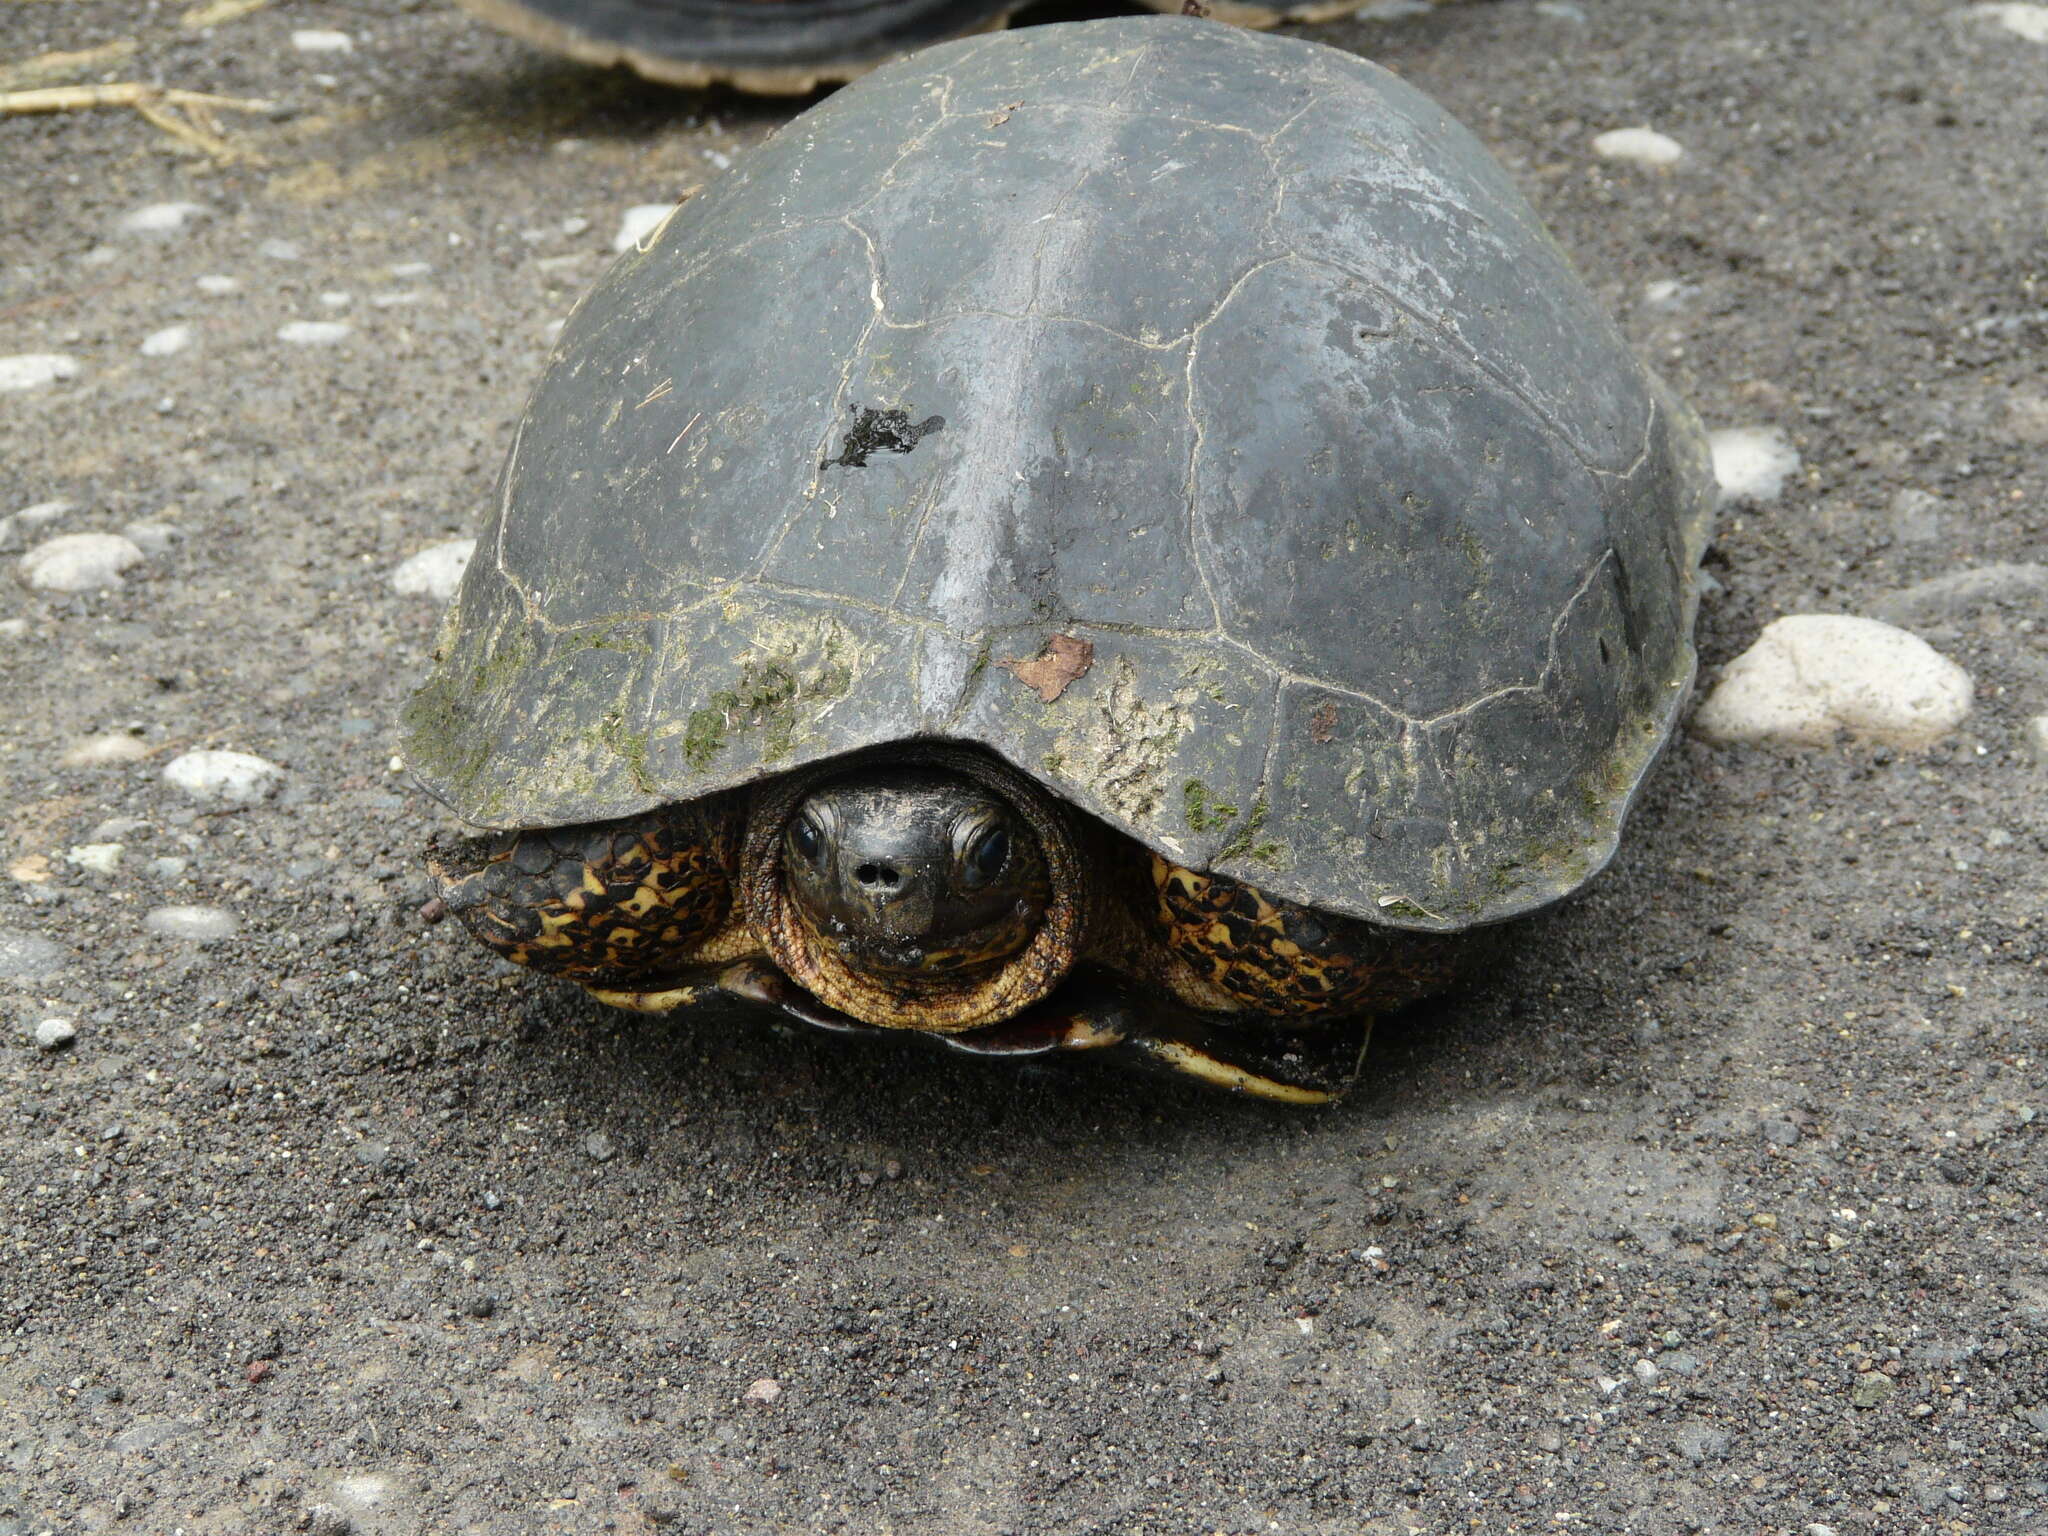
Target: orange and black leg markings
[615, 903]
[1276, 958]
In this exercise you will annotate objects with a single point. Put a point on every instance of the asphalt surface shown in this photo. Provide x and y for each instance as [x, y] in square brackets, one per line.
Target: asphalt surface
[1717, 1206]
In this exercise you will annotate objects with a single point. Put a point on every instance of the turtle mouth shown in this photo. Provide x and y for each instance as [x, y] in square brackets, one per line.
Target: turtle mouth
[951, 957]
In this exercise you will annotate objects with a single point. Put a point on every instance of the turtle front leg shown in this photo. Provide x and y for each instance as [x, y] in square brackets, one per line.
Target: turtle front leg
[1228, 947]
[628, 908]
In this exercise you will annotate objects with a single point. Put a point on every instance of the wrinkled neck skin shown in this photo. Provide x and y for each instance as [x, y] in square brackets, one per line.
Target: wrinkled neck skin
[928, 888]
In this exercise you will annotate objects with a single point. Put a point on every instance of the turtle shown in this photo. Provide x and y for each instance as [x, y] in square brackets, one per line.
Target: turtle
[1120, 536]
[791, 47]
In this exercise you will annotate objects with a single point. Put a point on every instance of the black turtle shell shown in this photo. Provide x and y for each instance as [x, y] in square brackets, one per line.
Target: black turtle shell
[1230, 359]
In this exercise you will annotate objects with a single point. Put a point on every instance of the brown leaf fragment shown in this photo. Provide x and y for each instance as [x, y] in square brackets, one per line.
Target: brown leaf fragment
[1062, 661]
[1322, 725]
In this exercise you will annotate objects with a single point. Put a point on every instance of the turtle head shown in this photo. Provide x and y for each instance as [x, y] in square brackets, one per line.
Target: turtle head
[914, 871]
[928, 887]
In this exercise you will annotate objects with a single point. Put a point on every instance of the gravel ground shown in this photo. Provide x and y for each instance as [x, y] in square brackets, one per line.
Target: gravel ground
[1718, 1208]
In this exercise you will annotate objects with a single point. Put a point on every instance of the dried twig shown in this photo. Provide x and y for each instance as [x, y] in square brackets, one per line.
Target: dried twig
[187, 116]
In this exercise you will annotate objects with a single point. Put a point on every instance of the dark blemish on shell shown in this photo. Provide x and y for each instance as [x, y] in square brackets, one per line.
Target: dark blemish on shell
[881, 432]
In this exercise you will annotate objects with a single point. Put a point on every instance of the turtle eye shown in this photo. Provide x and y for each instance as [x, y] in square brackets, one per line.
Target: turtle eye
[986, 856]
[808, 839]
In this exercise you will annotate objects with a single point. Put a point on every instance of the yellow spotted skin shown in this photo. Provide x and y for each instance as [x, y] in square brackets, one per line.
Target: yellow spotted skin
[1245, 950]
[612, 903]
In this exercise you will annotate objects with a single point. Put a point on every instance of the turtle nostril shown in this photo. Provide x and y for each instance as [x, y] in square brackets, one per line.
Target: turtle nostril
[877, 876]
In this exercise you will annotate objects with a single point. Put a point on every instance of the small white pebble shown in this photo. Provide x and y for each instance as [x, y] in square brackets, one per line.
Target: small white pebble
[1669, 293]
[32, 370]
[279, 250]
[168, 342]
[1811, 676]
[199, 924]
[2029, 21]
[96, 858]
[1752, 463]
[79, 562]
[100, 751]
[320, 40]
[411, 268]
[160, 218]
[2035, 734]
[230, 778]
[55, 1034]
[435, 571]
[766, 1390]
[638, 223]
[1647, 1372]
[335, 299]
[43, 512]
[718, 158]
[151, 537]
[218, 285]
[312, 333]
[1643, 146]
[394, 300]
[575, 224]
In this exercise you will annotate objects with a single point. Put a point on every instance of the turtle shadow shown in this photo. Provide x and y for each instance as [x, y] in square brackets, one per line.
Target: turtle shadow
[723, 1073]
[543, 95]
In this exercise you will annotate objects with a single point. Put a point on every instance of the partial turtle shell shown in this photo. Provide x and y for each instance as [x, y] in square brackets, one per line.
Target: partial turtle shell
[1199, 420]
[790, 47]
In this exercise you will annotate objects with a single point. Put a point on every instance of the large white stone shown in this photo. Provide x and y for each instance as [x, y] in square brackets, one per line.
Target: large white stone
[79, 562]
[230, 778]
[2029, 21]
[1752, 463]
[638, 222]
[1812, 675]
[435, 571]
[32, 370]
[1644, 146]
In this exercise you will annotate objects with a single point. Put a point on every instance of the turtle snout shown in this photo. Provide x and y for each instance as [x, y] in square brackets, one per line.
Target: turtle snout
[893, 896]
[878, 880]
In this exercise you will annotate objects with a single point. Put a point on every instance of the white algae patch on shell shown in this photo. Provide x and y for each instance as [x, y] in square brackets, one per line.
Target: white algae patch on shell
[1643, 146]
[79, 562]
[638, 222]
[32, 370]
[2028, 20]
[1811, 676]
[232, 778]
[312, 333]
[168, 342]
[1752, 463]
[435, 571]
[200, 924]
